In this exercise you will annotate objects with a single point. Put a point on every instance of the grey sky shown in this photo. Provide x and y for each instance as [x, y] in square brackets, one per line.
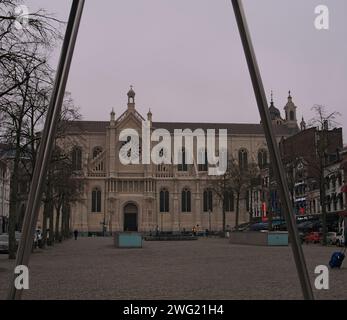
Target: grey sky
[185, 58]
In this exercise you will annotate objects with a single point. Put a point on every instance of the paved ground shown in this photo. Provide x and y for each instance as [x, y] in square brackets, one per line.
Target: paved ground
[91, 268]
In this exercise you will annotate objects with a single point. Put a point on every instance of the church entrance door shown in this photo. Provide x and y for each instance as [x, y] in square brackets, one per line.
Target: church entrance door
[130, 217]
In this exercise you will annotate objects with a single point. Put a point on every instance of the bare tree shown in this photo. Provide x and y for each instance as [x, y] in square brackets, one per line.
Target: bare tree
[323, 119]
[222, 188]
[68, 188]
[236, 182]
[25, 84]
[19, 42]
[317, 163]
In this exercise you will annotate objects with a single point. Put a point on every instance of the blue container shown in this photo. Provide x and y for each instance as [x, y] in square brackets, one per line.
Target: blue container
[128, 240]
[277, 238]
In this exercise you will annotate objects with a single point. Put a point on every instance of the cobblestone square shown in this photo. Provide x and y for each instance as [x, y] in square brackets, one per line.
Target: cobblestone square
[91, 268]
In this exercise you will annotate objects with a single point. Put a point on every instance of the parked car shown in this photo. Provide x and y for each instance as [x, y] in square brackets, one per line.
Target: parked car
[242, 227]
[259, 226]
[4, 243]
[313, 237]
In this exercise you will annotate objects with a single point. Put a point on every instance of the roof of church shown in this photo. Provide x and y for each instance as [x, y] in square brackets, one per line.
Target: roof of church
[233, 128]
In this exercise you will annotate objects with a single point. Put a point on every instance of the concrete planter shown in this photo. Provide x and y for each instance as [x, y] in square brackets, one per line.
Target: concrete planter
[128, 240]
[255, 238]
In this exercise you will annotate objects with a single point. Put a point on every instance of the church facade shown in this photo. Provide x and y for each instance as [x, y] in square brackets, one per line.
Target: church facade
[147, 197]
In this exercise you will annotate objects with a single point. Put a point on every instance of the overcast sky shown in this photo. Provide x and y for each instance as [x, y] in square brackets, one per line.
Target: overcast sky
[185, 59]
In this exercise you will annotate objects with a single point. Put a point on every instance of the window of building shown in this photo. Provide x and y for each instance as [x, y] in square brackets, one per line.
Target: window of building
[96, 152]
[96, 200]
[327, 182]
[243, 159]
[186, 200]
[340, 201]
[339, 179]
[135, 148]
[208, 200]
[247, 200]
[229, 201]
[76, 158]
[164, 201]
[262, 159]
[183, 161]
[328, 203]
[202, 166]
[333, 181]
[335, 200]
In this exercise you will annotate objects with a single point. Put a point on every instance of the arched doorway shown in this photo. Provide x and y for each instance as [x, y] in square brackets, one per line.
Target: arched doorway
[130, 217]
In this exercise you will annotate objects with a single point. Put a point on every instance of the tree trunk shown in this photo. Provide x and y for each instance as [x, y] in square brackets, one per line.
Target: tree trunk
[324, 212]
[65, 222]
[51, 224]
[63, 218]
[44, 224]
[57, 220]
[237, 211]
[13, 205]
[224, 219]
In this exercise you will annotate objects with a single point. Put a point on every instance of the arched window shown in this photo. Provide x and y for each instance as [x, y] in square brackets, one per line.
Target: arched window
[164, 201]
[262, 159]
[339, 179]
[182, 166]
[186, 200]
[340, 196]
[229, 201]
[76, 158]
[96, 152]
[96, 200]
[327, 182]
[202, 160]
[291, 115]
[243, 159]
[333, 181]
[328, 203]
[208, 200]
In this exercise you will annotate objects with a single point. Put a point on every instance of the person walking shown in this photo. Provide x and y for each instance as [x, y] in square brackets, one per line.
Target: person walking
[75, 234]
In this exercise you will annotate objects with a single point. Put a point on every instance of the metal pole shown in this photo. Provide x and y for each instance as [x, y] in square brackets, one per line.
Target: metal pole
[47, 142]
[273, 149]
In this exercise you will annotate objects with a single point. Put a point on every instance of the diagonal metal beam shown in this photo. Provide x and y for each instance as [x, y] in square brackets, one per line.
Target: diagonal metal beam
[276, 162]
[47, 142]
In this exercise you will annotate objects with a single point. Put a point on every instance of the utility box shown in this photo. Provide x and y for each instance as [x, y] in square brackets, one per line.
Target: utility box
[277, 238]
[256, 238]
[128, 240]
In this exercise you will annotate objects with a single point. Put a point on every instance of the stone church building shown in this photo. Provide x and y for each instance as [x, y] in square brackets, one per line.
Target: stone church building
[145, 197]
